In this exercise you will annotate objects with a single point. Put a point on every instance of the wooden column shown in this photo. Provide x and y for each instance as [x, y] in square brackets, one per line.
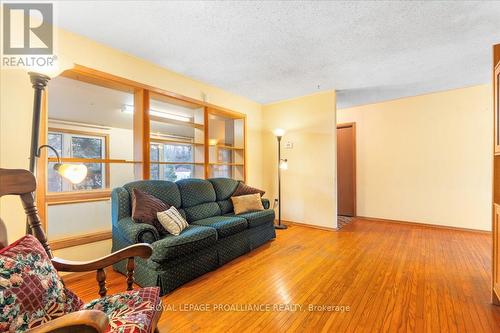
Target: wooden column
[141, 133]
[206, 145]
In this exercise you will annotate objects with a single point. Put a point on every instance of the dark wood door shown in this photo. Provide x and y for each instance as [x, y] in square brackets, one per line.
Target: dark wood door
[346, 169]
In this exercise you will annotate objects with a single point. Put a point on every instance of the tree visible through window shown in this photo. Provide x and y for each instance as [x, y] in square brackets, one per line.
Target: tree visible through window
[77, 146]
[171, 153]
[88, 147]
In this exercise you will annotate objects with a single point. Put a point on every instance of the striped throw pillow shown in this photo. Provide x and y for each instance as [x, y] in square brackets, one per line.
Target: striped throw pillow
[172, 221]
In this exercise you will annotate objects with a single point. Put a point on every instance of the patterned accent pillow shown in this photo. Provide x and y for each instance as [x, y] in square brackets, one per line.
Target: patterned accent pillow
[247, 203]
[31, 292]
[172, 221]
[145, 207]
[244, 189]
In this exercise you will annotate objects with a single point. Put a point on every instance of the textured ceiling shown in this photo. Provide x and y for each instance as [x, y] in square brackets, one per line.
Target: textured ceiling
[269, 50]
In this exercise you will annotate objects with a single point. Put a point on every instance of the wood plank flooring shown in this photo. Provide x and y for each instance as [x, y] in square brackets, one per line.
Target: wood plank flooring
[393, 277]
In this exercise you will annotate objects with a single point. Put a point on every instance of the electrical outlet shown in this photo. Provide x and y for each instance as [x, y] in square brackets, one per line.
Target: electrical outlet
[288, 145]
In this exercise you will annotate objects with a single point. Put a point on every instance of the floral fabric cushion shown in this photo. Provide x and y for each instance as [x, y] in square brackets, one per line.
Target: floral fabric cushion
[131, 311]
[31, 292]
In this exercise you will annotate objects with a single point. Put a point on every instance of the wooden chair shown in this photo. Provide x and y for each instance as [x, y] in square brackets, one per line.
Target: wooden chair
[23, 183]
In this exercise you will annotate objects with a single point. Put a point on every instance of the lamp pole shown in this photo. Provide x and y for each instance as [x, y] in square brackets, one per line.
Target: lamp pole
[279, 226]
[39, 82]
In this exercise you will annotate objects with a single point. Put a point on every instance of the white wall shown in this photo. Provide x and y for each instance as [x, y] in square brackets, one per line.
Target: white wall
[309, 184]
[427, 158]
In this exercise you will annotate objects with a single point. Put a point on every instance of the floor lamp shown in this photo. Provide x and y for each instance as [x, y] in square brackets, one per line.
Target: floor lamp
[282, 165]
[75, 173]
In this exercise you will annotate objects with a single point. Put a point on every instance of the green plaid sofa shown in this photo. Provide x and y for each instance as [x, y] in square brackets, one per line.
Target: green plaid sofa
[215, 234]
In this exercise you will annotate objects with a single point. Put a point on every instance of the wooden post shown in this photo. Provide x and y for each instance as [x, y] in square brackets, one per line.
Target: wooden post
[141, 133]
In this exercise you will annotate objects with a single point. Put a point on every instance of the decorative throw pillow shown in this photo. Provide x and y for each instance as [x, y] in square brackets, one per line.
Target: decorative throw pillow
[172, 221]
[31, 292]
[145, 207]
[244, 189]
[247, 203]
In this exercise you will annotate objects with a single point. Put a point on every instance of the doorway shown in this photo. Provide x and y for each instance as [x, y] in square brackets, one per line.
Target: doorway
[346, 169]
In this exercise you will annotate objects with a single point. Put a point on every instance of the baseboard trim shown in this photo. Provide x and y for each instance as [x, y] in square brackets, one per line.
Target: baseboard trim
[63, 243]
[427, 225]
[300, 224]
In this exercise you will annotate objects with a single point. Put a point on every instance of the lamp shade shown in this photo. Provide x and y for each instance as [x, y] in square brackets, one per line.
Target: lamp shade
[75, 173]
[279, 132]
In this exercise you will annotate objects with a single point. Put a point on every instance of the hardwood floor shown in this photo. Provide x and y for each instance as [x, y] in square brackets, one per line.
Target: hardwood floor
[393, 278]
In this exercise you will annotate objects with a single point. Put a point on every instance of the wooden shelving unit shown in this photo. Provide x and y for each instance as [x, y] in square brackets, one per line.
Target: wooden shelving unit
[144, 126]
[227, 157]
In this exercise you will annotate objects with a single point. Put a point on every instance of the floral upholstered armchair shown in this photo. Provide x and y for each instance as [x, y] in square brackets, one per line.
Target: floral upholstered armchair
[33, 296]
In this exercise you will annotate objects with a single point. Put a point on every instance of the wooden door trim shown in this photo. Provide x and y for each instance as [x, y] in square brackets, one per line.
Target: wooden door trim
[354, 193]
[495, 249]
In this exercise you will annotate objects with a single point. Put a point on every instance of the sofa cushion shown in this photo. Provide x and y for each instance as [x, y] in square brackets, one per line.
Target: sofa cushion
[172, 221]
[164, 190]
[191, 239]
[247, 203]
[31, 292]
[256, 219]
[195, 192]
[224, 187]
[202, 211]
[225, 225]
[145, 207]
[226, 206]
[244, 189]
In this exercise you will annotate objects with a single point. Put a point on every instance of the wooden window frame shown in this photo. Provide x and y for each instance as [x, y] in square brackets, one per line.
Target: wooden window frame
[76, 196]
[161, 142]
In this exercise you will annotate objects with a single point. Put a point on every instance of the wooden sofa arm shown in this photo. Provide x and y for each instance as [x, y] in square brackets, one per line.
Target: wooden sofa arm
[91, 321]
[137, 250]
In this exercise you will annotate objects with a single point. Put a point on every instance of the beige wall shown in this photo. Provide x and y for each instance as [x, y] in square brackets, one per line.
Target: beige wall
[426, 158]
[309, 184]
[16, 98]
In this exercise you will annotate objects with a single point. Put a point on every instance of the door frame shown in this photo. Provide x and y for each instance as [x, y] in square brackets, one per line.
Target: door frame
[353, 126]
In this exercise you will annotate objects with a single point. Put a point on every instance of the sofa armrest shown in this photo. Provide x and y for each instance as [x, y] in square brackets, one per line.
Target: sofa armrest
[136, 232]
[266, 203]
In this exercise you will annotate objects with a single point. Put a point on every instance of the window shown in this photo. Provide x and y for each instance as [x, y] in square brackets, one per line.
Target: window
[78, 145]
[171, 152]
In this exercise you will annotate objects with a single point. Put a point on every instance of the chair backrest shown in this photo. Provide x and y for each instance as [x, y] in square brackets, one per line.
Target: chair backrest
[23, 183]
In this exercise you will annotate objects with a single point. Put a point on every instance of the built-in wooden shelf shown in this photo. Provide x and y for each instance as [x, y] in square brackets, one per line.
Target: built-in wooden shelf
[176, 122]
[230, 147]
[154, 139]
[229, 164]
[90, 160]
[58, 198]
[178, 163]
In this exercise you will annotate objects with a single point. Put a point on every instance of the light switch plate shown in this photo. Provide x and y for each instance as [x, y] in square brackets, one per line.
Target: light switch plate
[288, 145]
